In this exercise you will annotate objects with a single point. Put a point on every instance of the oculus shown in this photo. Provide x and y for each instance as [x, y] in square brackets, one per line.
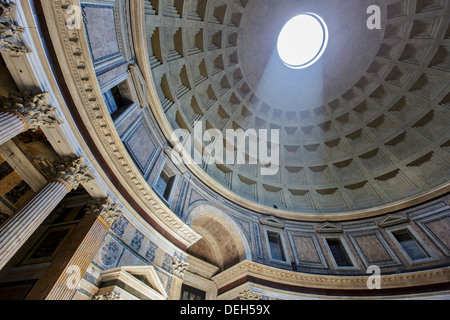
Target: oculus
[303, 40]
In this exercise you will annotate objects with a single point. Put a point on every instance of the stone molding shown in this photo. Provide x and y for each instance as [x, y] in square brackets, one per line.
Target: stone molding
[34, 108]
[403, 280]
[73, 51]
[142, 282]
[272, 222]
[392, 219]
[329, 227]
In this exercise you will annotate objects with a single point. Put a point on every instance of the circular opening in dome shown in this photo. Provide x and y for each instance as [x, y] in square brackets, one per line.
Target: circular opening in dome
[303, 40]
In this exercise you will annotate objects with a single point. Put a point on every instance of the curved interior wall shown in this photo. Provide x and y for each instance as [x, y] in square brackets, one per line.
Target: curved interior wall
[366, 241]
[306, 246]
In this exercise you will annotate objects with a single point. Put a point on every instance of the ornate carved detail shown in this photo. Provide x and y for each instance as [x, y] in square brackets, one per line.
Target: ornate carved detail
[9, 31]
[104, 127]
[72, 171]
[34, 108]
[108, 296]
[105, 208]
[179, 267]
[6, 8]
[249, 295]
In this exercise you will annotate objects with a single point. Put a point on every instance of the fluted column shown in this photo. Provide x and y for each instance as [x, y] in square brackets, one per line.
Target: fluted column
[11, 125]
[24, 111]
[15, 231]
[61, 279]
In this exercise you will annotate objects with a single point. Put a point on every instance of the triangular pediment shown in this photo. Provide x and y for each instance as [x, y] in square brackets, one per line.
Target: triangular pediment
[143, 279]
[272, 222]
[392, 219]
[329, 227]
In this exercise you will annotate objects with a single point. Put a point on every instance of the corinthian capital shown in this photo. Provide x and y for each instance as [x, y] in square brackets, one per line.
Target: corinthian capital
[9, 31]
[6, 8]
[34, 108]
[72, 171]
[105, 208]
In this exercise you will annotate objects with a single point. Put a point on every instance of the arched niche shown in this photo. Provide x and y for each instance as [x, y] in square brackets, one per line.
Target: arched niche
[223, 244]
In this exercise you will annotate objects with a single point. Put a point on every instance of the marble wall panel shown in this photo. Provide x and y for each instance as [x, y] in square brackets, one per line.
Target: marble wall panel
[141, 145]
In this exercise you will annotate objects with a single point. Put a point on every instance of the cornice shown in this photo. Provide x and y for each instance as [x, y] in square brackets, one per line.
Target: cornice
[247, 269]
[72, 50]
[200, 267]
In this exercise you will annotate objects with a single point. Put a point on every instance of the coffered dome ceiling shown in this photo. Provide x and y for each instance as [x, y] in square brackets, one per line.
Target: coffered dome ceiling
[365, 126]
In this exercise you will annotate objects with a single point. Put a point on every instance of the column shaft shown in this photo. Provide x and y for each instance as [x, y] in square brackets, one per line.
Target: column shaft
[11, 125]
[16, 230]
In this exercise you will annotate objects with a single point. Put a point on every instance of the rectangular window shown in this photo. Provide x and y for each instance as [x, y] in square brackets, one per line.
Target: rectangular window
[190, 293]
[409, 244]
[115, 101]
[165, 183]
[339, 253]
[112, 99]
[276, 246]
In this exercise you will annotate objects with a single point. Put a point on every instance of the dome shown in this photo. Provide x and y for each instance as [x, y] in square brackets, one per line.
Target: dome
[361, 129]
[168, 150]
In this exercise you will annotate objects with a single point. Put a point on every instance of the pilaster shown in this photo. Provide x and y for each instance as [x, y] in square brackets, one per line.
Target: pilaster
[178, 269]
[61, 280]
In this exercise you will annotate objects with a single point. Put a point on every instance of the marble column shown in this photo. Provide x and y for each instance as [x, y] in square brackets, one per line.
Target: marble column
[68, 173]
[24, 111]
[61, 280]
[11, 124]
